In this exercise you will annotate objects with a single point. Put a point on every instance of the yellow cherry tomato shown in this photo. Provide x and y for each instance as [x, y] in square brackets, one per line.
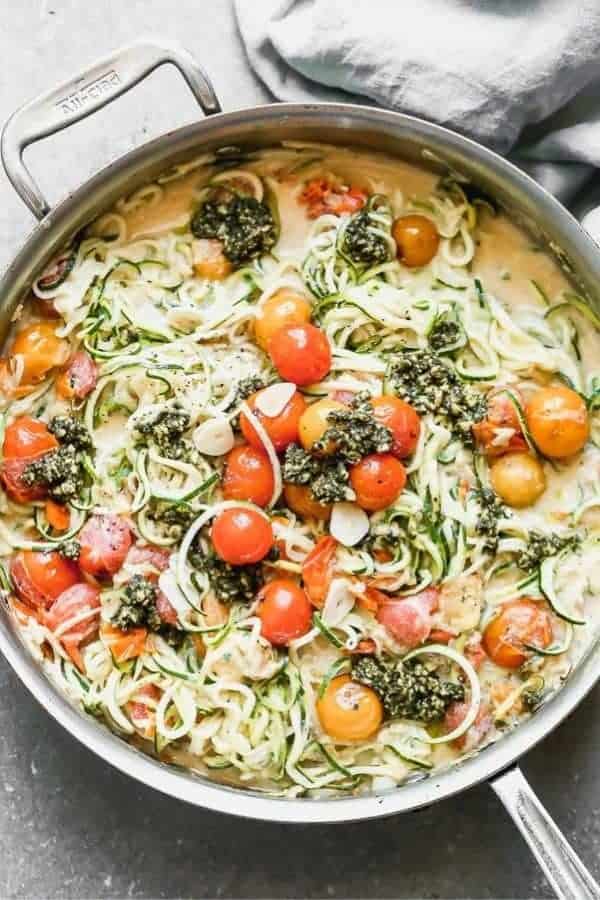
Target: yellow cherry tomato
[518, 478]
[349, 711]
[300, 500]
[41, 350]
[417, 240]
[314, 423]
[558, 421]
[284, 307]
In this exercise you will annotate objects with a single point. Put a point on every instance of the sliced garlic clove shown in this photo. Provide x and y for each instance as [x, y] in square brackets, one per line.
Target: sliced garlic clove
[273, 400]
[349, 523]
[214, 437]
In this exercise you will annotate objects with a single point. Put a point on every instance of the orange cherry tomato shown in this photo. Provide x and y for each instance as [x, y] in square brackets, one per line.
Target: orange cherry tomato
[282, 429]
[501, 414]
[417, 240]
[105, 541]
[75, 601]
[41, 350]
[284, 611]
[558, 421]
[301, 501]
[518, 478]
[24, 440]
[300, 353]
[519, 623]
[123, 645]
[40, 577]
[248, 476]
[241, 536]
[402, 420]
[57, 515]
[377, 480]
[79, 378]
[209, 260]
[317, 570]
[284, 307]
[349, 711]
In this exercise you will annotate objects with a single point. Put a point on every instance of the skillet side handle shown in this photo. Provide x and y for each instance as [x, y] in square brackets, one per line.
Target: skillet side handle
[73, 100]
[562, 867]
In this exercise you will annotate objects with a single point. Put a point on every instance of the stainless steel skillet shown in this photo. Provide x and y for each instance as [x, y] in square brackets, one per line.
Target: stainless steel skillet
[407, 138]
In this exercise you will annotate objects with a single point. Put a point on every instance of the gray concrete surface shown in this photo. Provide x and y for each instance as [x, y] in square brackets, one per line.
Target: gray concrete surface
[72, 827]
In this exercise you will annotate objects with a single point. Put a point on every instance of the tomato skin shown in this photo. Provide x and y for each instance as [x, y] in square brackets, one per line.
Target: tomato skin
[41, 350]
[105, 541]
[123, 645]
[248, 476]
[519, 622]
[320, 196]
[157, 557]
[57, 515]
[166, 610]
[284, 307]
[501, 413]
[408, 619]
[417, 240]
[317, 570]
[74, 600]
[300, 500]
[377, 480]
[40, 577]
[79, 378]
[284, 610]
[349, 711]
[300, 353]
[26, 438]
[241, 536]
[558, 421]
[403, 421]
[282, 429]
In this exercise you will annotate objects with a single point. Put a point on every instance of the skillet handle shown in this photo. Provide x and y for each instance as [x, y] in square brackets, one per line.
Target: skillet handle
[562, 867]
[73, 100]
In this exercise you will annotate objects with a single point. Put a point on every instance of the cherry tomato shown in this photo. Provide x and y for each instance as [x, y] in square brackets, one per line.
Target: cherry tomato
[301, 501]
[317, 570]
[518, 478]
[209, 260]
[300, 353]
[75, 601]
[284, 611]
[166, 610]
[105, 541]
[142, 713]
[248, 476]
[518, 623]
[402, 420]
[41, 350]
[79, 378]
[321, 196]
[490, 432]
[241, 536]
[24, 440]
[377, 480]
[349, 711]
[282, 429]
[151, 556]
[408, 619]
[284, 307]
[57, 515]
[417, 240]
[123, 645]
[314, 423]
[40, 577]
[455, 715]
[558, 421]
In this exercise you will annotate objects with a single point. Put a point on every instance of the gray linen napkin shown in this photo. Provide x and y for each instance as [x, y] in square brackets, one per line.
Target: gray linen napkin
[509, 73]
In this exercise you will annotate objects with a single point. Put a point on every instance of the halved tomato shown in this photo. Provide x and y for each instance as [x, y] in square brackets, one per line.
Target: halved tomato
[81, 604]
[40, 577]
[317, 570]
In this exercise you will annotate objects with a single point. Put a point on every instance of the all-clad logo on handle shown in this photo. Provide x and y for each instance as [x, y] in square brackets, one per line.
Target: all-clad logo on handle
[79, 99]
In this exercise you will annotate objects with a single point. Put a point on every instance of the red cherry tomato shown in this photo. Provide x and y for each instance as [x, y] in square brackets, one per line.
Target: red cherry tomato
[248, 476]
[402, 420]
[284, 610]
[377, 480]
[300, 353]
[79, 378]
[241, 536]
[166, 610]
[105, 541]
[75, 601]
[24, 440]
[39, 578]
[282, 429]
[317, 570]
[501, 415]
[151, 556]
[408, 619]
